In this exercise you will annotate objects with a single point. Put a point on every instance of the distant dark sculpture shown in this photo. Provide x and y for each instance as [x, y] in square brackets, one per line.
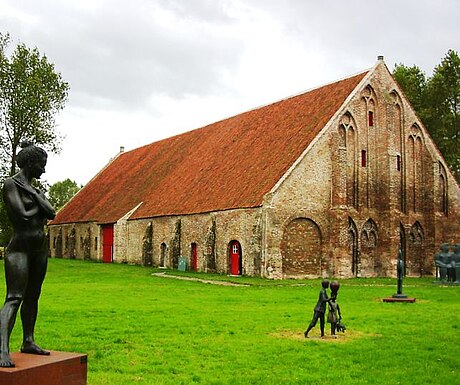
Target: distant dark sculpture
[26, 254]
[400, 275]
[334, 316]
[319, 310]
[456, 263]
[444, 262]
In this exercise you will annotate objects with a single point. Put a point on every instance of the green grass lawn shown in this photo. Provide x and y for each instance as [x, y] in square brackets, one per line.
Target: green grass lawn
[141, 329]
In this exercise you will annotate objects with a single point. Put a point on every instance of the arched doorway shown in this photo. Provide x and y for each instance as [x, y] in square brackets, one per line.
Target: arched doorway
[194, 256]
[163, 255]
[235, 258]
[301, 248]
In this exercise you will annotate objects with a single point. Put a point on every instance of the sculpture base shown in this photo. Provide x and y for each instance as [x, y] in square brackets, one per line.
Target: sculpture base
[399, 299]
[59, 368]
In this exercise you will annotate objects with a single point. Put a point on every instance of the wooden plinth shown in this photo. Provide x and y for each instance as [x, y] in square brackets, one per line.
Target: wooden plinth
[59, 368]
[392, 299]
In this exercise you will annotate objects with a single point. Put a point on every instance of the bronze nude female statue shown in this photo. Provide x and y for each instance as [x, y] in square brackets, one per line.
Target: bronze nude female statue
[26, 254]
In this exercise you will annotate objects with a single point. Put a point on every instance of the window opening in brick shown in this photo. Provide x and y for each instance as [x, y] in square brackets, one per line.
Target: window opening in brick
[363, 158]
[371, 118]
[398, 162]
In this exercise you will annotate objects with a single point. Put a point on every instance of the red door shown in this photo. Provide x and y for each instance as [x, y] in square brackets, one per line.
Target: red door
[235, 258]
[107, 243]
[194, 257]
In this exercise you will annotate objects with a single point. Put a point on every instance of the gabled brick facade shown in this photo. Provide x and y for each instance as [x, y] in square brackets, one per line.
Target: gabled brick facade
[331, 182]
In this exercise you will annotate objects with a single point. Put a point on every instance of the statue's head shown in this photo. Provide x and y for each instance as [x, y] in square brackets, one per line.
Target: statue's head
[325, 284]
[335, 285]
[445, 247]
[33, 158]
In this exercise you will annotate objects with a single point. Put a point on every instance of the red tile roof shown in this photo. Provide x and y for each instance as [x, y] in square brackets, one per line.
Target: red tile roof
[229, 164]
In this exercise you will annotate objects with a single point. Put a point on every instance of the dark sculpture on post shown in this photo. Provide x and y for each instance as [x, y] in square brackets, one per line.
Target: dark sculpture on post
[319, 310]
[26, 254]
[400, 274]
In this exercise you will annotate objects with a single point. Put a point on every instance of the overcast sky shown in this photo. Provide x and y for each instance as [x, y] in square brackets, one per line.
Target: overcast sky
[143, 70]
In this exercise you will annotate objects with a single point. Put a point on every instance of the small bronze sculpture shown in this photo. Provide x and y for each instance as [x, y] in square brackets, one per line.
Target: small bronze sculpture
[26, 254]
[319, 310]
[442, 262]
[334, 317]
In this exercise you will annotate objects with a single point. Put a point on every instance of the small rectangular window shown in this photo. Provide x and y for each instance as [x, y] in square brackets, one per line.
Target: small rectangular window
[398, 162]
[363, 158]
[95, 243]
[371, 119]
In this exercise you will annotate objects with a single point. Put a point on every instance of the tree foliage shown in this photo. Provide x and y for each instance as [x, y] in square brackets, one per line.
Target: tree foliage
[437, 102]
[31, 94]
[61, 192]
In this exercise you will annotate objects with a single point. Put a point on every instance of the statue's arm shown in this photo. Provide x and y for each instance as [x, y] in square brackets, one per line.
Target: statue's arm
[14, 202]
[45, 205]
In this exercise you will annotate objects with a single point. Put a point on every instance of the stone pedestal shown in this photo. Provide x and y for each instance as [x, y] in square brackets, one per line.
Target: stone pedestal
[59, 368]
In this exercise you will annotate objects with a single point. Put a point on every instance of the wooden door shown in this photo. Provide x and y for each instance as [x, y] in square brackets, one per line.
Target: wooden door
[107, 243]
[235, 258]
[194, 255]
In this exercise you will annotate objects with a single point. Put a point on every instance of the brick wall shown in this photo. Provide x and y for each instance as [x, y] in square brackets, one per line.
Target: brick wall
[370, 183]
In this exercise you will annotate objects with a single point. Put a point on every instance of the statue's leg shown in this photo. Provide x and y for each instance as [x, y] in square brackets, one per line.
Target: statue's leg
[312, 324]
[333, 329]
[321, 323]
[443, 273]
[16, 274]
[29, 308]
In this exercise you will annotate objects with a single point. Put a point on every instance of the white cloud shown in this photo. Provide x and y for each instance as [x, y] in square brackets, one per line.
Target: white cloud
[143, 70]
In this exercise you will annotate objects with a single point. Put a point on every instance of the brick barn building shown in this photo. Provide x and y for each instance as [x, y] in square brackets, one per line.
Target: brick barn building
[331, 182]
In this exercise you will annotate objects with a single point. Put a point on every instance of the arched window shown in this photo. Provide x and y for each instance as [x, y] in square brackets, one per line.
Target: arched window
[416, 258]
[371, 118]
[369, 259]
[443, 197]
[353, 247]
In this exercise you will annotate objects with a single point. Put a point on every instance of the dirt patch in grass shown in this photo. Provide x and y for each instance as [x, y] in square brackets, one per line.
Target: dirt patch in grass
[212, 282]
[348, 336]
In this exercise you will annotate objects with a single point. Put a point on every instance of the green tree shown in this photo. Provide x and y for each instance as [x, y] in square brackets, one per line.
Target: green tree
[31, 94]
[61, 192]
[413, 82]
[437, 102]
[443, 114]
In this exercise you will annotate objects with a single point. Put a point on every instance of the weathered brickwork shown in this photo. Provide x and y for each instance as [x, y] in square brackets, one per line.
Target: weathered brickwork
[172, 237]
[371, 182]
